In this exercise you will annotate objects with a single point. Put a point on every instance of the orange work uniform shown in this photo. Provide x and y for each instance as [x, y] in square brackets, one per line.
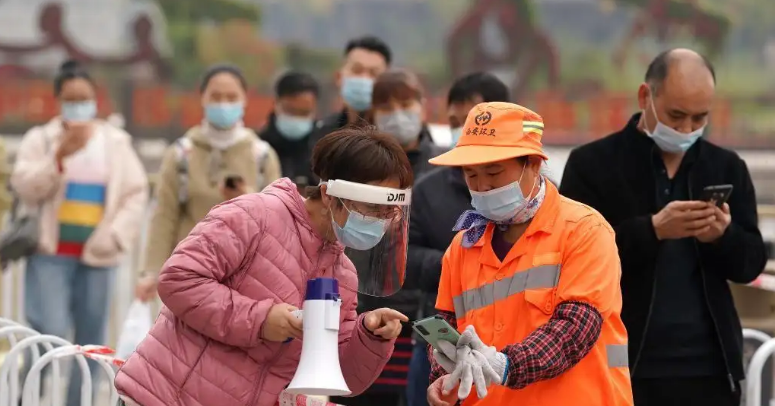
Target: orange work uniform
[567, 254]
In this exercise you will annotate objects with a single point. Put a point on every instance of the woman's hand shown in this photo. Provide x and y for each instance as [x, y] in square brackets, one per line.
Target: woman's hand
[145, 289]
[384, 322]
[281, 324]
[75, 137]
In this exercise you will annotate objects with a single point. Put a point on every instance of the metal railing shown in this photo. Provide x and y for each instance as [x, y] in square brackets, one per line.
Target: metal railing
[55, 349]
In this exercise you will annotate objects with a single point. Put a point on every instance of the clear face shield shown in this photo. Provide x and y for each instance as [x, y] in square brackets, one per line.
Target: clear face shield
[375, 235]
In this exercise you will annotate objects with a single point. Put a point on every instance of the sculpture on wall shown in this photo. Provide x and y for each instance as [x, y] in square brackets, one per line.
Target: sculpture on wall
[663, 18]
[494, 34]
[55, 37]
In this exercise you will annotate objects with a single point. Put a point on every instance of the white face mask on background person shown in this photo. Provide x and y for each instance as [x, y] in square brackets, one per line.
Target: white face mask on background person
[669, 139]
[403, 125]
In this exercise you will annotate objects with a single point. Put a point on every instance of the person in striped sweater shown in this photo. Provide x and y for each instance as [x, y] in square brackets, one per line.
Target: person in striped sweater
[84, 178]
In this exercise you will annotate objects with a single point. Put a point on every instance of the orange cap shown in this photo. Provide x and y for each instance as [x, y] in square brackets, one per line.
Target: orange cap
[496, 132]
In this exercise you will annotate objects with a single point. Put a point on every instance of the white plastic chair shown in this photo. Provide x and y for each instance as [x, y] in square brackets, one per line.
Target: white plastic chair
[8, 396]
[17, 350]
[753, 390]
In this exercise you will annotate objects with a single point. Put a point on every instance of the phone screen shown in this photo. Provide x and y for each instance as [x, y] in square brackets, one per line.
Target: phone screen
[718, 194]
[231, 181]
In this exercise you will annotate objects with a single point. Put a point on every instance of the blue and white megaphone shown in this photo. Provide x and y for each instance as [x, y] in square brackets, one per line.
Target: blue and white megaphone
[319, 373]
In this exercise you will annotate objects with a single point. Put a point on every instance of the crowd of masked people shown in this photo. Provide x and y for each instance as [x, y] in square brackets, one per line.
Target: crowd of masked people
[677, 256]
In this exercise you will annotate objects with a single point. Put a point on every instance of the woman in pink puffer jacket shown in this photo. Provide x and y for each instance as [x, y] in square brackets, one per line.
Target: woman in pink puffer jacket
[229, 288]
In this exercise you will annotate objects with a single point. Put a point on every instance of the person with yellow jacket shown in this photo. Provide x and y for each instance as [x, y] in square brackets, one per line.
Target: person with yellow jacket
[531, 280]
[213, 162]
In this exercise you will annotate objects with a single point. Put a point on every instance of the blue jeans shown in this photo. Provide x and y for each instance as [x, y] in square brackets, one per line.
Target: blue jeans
[61, 293]
[419, 376]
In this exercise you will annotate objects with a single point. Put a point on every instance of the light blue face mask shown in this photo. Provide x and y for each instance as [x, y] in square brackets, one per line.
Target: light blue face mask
[456, 133]
[359, 232]
[293, 128]
[670, 140]
[78, 111]
[224, 115]
[356, 92]
[503, 203]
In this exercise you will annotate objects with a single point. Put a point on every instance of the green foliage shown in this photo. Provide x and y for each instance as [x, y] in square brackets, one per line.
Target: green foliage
[323, 62]
[194, 11]
[183, 19]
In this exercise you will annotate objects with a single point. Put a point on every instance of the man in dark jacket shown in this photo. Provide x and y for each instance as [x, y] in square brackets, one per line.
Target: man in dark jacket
[438, 199]
[291, 123]
[365, 59]
[678, 252]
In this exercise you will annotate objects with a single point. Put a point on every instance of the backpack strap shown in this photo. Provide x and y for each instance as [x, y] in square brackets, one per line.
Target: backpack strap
[260, 152]
[182, 148]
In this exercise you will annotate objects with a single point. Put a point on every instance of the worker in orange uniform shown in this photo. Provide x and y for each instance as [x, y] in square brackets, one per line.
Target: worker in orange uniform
[531, 280]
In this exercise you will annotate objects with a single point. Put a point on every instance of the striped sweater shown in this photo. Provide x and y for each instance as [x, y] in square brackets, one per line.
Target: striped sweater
[86, 175]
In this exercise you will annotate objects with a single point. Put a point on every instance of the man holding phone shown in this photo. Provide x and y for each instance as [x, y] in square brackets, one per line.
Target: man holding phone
[684, 212]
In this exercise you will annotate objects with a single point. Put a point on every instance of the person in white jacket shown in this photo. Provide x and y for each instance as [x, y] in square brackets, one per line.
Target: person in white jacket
[91, 190]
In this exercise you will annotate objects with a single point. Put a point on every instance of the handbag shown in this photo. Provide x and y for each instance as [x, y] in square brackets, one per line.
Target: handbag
[19, 238]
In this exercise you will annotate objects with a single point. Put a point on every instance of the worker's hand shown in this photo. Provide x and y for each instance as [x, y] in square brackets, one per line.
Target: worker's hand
[718, 226]
[447, 356]
[438, 397]
[681, 219]
[281, 324]
[145, 289]
[384, 322]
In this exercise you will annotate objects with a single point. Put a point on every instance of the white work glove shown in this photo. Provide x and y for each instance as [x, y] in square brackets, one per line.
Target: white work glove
[475, 364]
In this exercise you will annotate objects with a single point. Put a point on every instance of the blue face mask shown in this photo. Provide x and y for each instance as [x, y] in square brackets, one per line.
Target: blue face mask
[670, 140]
[293, 128]
[79, 111]
[456, 133]
[356, 92]
[224, 115]
[360, 232]
[501, 204]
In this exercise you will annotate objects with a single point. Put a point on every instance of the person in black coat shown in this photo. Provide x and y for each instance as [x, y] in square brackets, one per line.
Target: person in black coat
[678, 253]
[291, 123]
[438, 199]
[365, 58]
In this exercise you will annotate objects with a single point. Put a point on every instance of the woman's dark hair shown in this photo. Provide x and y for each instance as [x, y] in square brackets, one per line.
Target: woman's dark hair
[396, 84]
[362, 155]
[222, 68]
[70, 70]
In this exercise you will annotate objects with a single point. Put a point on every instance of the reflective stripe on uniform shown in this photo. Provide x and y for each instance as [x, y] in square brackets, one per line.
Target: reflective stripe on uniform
[542, 276]
[617, 355]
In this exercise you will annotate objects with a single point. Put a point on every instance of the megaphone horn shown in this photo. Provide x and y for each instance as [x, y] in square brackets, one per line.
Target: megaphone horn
[319, 373]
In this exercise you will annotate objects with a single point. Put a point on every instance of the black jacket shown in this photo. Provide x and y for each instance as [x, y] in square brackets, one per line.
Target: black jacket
[615, 175]
[438, 200]
[294, 155]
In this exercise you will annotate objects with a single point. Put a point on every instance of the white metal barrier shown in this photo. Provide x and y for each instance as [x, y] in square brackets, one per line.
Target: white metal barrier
[753, 389]
[9, 371]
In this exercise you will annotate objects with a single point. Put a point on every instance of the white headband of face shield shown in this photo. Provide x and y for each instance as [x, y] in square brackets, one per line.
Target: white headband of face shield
[364, 193]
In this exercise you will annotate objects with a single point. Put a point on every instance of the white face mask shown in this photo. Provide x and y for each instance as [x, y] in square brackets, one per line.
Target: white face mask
[403, 125]
[670, 140]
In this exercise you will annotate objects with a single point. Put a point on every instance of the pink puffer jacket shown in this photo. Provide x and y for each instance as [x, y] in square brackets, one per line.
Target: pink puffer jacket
[248, 254]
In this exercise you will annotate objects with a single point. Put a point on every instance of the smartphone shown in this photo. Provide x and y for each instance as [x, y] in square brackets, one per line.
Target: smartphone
[716, 193]
[231, 181]
[434, 329]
